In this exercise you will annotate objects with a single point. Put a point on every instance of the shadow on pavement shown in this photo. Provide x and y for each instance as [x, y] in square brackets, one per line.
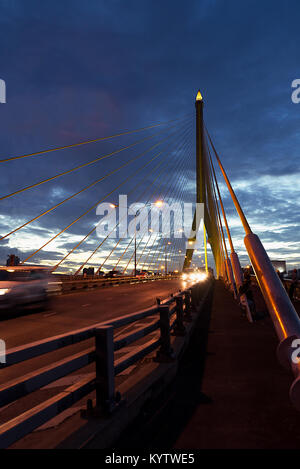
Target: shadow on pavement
[164, 418]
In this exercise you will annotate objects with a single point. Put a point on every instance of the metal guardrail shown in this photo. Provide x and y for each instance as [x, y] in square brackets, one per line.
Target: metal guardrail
[170, 316]
[73, 283]
[286, 322]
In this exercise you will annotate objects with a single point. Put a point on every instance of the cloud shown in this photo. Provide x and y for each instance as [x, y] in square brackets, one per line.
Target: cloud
[76, 72]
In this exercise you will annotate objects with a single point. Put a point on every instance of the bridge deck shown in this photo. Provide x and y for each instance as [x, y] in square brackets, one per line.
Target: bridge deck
[231, 392]
[247, 390]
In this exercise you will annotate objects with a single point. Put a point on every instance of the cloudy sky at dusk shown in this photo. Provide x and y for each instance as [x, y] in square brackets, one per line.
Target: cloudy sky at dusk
[79, 70]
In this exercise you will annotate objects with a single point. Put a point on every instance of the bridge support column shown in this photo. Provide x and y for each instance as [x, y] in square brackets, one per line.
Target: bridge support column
[231, 278]
[237, 270]
[200, 186]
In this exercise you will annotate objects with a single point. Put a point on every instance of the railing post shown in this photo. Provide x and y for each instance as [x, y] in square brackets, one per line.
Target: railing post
[105, 374]
[179, 328]
[187, 302]
[199, 289]
[165, 352]
[194, 298]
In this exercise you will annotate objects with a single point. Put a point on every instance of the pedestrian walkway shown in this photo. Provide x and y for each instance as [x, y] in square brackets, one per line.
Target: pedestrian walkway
[247, 403]
[230, 391]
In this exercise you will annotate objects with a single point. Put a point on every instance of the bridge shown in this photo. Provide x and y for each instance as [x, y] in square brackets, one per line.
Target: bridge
[153, 330]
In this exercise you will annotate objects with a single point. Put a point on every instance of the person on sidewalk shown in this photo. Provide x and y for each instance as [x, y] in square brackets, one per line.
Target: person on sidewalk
[245, 288]
[293, 284]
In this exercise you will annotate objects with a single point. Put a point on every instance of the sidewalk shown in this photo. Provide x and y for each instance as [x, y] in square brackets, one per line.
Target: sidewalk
[230, 391]
[247, 402]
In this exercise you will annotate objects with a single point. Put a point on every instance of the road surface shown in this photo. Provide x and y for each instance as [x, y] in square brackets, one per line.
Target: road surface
[70, 312]
[84, 308]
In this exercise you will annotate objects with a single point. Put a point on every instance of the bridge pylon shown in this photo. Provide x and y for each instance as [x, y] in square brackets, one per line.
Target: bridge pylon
[203, 196]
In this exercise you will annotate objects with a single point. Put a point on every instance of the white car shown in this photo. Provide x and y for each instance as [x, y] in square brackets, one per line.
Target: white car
[22, 286]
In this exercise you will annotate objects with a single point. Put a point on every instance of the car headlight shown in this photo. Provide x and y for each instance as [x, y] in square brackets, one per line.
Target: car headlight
[184, 277]
[4, 291]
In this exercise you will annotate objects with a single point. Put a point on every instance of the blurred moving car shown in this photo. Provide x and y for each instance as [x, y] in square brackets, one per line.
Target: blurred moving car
[194, 275]
[21, 286]
[112, 274]
[142, 273]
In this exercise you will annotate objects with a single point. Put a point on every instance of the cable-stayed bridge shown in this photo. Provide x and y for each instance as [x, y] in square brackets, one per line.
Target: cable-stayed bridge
[143, 209]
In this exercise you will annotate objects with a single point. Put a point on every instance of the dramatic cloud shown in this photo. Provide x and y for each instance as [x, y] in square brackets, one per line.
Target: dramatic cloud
[77, 71]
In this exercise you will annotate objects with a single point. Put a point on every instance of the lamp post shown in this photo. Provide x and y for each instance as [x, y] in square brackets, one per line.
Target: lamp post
[136, 214]
[135, 249]
[166, 259]
[159, 204]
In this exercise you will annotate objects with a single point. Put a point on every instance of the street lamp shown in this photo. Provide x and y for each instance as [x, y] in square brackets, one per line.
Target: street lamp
[158, 203]
[166, 260]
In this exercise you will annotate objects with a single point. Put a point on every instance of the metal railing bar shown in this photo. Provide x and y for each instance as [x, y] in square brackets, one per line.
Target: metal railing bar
[32, 381]
[28, 421]
[132, 357]
[129, 339]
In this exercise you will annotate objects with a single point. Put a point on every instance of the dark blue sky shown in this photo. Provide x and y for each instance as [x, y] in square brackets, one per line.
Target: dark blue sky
[76, 70]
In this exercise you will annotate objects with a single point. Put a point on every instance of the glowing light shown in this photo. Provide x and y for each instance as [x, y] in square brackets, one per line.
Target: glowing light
[199, 96]
[112, 205]
[159, 203]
